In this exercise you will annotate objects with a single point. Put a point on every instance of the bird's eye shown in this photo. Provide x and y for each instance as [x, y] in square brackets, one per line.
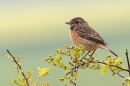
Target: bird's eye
[77, 22]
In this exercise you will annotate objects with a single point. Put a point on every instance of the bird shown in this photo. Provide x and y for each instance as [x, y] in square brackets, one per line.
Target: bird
[82, 34]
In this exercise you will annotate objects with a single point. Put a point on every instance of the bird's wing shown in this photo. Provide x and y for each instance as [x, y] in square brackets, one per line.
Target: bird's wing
[86, 32]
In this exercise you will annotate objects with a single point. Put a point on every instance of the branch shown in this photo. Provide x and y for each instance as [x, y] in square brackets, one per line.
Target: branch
[75, 68]
[118, 74]
[113, 66]
[35, 83]
[18, 66]
[127, 60]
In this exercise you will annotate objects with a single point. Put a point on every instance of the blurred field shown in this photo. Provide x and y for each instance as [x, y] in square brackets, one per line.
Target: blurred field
[35, 29]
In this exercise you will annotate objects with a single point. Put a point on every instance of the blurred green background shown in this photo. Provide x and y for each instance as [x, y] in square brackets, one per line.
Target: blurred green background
[34, 29]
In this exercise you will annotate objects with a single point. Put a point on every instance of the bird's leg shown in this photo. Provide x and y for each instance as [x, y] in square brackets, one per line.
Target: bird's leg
[92, 53]
[91, 56]
[81, 61]
[85, 55]
[83, 58]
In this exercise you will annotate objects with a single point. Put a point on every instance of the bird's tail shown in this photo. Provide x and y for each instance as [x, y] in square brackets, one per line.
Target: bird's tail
[113, 53]
[106, 48]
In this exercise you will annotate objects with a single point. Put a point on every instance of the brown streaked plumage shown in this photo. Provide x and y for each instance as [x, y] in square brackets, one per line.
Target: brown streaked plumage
[82, 34]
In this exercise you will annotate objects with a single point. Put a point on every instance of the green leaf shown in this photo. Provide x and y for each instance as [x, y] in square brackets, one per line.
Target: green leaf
[127, 81]
[30, 72]
[117, 61]
[20, 78]
[9, 57]
[104, 70]
[43, 72]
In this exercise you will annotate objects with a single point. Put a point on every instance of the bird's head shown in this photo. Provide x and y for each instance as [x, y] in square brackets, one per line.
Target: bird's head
[76, 21]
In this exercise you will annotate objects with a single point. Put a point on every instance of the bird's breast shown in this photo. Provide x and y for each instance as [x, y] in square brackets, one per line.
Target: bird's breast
[77, 41]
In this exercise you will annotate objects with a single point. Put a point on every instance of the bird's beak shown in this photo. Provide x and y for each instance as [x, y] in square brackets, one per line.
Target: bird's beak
[67, 23]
